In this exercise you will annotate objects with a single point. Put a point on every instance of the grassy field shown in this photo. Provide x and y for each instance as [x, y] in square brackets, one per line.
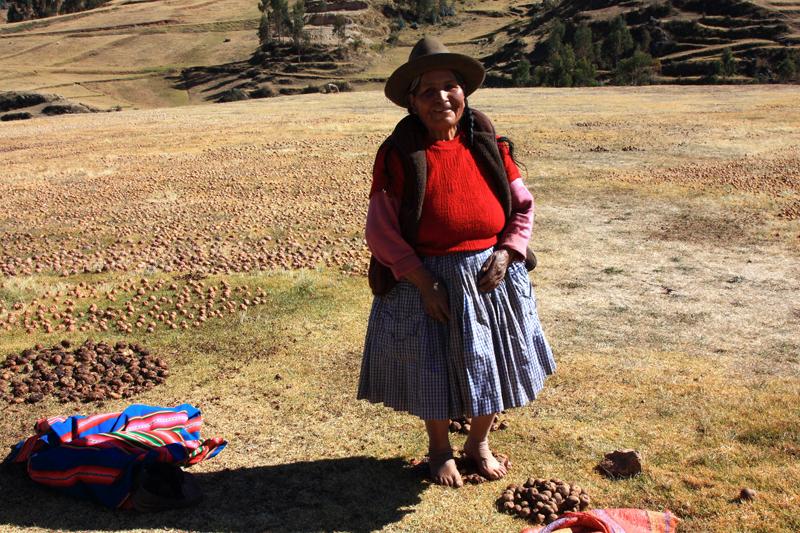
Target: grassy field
[668, 235]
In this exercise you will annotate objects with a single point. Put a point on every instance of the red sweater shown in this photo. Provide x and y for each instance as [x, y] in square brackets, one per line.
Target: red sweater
[461, 211]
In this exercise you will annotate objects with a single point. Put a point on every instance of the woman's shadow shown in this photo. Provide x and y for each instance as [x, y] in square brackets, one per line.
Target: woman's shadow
[348, 494]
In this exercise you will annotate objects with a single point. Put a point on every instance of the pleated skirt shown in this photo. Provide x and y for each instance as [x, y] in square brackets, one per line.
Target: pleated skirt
[492, 355]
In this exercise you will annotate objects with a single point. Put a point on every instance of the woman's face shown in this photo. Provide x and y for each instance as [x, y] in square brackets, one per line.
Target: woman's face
[439, 102]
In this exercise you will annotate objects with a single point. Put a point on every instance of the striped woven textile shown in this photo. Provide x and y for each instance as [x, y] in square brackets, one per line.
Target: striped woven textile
[96, 457]
[615, 521]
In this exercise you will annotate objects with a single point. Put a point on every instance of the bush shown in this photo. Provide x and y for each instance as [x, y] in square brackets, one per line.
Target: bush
[344, 86]
[339, 28]
[521, 76]
[265, 91]
[786, 69]
[638, 69]
[585, 74]
[618, 42]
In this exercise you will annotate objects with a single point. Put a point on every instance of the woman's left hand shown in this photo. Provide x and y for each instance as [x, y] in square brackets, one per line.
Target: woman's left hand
[493, 270]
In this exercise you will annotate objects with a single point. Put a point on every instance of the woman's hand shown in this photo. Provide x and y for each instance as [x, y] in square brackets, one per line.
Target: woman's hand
[493, 270]
[433, 293]
[434, 300]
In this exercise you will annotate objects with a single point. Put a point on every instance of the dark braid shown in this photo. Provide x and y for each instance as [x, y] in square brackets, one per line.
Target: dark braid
[468, 124]
[511, 152]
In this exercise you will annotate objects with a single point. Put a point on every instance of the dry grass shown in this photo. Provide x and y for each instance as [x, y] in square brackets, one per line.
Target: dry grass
[670, 303]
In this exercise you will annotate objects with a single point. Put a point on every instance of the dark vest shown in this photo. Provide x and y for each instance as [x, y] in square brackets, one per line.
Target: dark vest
[409, 139]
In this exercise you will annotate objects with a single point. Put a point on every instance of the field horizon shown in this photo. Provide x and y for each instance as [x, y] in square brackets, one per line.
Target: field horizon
[668, 235]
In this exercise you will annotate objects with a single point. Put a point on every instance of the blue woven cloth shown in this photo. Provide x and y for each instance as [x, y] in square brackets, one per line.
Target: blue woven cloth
[96, 457]
[491, 356]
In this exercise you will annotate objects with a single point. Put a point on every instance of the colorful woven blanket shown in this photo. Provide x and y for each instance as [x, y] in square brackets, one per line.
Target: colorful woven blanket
[615, 521]
[97, 457]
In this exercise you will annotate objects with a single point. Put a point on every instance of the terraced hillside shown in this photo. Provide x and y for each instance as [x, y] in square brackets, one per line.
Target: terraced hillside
[688, 37]
[133, 53]
[157, 53]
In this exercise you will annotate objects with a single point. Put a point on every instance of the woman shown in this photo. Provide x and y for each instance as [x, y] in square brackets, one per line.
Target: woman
[453, 329]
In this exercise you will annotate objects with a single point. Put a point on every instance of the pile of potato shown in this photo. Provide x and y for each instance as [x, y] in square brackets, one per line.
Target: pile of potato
[90, 372]
[542, 501]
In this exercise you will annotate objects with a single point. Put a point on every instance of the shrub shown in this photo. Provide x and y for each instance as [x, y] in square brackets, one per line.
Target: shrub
[339, 28]
[728, 63]
[786, 69]
[618, 42]
[521, 76]
[638, 69]
[265, 91]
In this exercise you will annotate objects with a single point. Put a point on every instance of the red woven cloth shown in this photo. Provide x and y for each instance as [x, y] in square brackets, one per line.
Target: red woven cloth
[614, 521]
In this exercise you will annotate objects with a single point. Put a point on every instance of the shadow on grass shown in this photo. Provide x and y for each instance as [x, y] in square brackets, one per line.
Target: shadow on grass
[349, 494]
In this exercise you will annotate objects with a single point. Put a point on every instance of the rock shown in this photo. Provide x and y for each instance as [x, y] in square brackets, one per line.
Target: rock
[22, 115]
[265, 91]
[321, 6]
[67, 108]
[19, 99]
[621, 464]
[325, 19]
[233, 95]
[747, 495]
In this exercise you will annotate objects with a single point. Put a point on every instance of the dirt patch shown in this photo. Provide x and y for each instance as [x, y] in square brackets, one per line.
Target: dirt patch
[695, 227]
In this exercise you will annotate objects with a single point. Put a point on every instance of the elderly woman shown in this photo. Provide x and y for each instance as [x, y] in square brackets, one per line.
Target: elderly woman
[453, 329]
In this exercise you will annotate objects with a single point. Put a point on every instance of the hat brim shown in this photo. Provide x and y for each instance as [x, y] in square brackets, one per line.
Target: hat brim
[470, 70]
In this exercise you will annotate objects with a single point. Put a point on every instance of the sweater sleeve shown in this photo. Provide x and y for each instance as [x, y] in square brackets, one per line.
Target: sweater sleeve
[518, 230]
[383, 236]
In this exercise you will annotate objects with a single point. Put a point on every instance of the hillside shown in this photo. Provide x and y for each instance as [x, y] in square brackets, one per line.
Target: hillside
[133, 53]
[687, 37]
[161, 53]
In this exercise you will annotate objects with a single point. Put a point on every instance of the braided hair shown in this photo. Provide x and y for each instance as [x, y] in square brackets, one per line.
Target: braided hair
[467, 124]
[510, 144]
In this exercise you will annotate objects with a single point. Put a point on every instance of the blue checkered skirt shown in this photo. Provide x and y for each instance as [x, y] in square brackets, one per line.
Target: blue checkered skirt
[491, 356]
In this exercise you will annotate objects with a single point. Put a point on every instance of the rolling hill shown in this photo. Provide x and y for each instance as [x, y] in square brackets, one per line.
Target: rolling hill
[157, 53]
[132, 53]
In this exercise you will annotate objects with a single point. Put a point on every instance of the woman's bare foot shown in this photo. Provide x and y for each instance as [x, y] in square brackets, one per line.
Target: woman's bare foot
[487, 464]
[443, 469]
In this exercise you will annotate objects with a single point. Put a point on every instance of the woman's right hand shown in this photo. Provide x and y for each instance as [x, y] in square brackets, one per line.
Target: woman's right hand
[434, 300]
[433, 293]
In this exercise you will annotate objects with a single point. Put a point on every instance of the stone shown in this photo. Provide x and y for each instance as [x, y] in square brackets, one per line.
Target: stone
[621, 464]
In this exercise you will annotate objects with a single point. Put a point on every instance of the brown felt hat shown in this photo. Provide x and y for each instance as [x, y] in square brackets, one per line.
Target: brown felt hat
[430, 54]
